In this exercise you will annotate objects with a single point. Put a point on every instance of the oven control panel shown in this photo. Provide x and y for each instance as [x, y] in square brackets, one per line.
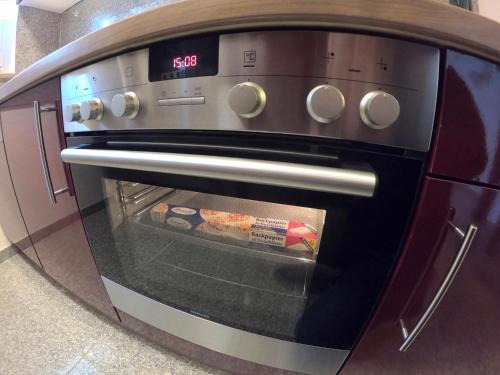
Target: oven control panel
[313, 83]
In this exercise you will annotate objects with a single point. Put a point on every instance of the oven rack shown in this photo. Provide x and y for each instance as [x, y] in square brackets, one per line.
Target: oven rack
[300, 288]
[233, 245]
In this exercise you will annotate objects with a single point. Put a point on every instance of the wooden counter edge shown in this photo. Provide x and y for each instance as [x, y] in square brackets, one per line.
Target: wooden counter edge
[426, 20]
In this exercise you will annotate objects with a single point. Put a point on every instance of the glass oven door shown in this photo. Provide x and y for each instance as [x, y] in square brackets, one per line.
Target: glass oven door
[275, 262]
[240, 262]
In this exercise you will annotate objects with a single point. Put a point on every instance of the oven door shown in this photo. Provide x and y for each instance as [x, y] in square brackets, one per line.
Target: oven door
[272, 256]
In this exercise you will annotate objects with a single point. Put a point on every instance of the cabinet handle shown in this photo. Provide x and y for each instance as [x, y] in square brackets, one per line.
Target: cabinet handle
[41, 148]
[468, 238]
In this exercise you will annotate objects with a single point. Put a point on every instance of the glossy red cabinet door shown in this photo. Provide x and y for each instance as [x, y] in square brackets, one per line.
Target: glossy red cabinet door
[11, 219]
[467, 139]
[462, 336]
[56, 228]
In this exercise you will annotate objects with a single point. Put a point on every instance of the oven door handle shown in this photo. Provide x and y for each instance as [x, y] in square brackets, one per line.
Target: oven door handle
[301, 176]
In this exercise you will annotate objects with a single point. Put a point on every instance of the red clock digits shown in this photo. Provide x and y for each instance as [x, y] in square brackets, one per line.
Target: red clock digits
[185, 62]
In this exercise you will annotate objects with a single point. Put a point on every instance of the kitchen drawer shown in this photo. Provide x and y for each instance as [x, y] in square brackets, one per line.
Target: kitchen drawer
[10, 215]
[461, 334]
[467, 140]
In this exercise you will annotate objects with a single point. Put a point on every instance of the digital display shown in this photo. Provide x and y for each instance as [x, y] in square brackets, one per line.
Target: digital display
[190, 57]
[185, 62]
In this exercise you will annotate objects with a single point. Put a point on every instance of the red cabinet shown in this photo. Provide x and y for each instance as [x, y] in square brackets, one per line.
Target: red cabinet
[462, 335]
[467, 139]
[42, 184]
[11, 219]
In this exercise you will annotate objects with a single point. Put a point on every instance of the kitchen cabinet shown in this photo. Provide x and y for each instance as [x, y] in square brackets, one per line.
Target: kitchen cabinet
[462, 335]
[11, 219]
[44, 193]
[467, 139]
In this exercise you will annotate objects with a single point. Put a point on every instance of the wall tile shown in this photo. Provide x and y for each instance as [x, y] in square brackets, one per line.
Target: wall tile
[40, 32]
[91, 15]
[37, 35]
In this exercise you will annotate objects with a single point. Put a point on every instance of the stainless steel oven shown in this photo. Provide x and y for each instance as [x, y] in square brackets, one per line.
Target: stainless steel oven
[249, 192]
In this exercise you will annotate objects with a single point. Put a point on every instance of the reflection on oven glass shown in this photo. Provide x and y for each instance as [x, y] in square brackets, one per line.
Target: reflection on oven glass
[240, 262]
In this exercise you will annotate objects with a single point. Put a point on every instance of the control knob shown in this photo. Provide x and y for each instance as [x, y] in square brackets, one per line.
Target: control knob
[379, 109]
[325, 103]
[92, 109]
[72, 112]
[247, 99]
[125, 105]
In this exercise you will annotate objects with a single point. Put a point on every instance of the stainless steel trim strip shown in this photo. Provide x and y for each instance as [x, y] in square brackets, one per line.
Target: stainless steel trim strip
[264, 350]
[41, 149]
[452, 272]
[301, 176]
[182, 101]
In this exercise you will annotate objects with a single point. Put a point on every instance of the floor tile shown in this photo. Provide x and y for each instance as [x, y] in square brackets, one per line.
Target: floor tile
[7, 252]
[45, 331]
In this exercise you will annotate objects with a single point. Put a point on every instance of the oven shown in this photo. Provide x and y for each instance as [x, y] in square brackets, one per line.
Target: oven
[255, 214]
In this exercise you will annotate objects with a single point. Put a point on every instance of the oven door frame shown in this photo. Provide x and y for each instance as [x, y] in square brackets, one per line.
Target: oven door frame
[358, 182]
[264, 350]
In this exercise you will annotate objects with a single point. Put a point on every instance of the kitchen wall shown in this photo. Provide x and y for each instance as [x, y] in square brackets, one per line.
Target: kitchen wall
[91, 15]
[37, 35]
[490, 9]
[40, 32]
[463, 3]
